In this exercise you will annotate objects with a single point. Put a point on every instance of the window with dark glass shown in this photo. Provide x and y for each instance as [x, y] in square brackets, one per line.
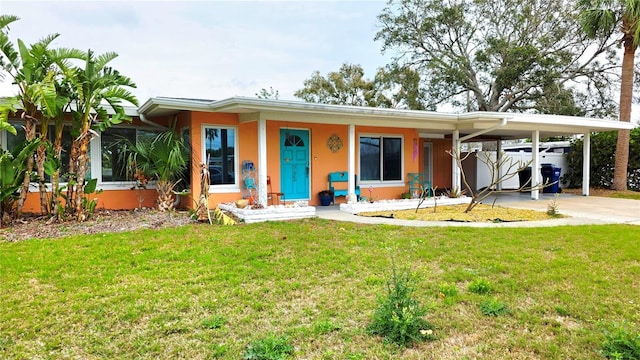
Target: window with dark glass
[219, 144]
[186, 175]
[380, 158]
[113, 165]
[14, 141]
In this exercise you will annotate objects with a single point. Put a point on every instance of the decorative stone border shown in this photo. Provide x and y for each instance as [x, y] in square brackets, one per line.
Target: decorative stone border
[270, 213]
[404, 204]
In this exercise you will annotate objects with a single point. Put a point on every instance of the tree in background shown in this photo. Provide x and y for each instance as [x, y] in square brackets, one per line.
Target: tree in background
[268, 94]
[346, 86]
[502, 55]
[392, 87]
[600, 20]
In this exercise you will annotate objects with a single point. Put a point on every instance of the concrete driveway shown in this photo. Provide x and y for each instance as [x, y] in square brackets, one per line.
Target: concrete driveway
[581, 210]
[589, 209]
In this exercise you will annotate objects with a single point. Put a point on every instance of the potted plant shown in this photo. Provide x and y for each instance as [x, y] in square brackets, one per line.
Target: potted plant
[326, 197]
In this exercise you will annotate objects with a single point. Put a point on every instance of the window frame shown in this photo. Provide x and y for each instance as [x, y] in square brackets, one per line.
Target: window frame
[380, 182]
[223, 188]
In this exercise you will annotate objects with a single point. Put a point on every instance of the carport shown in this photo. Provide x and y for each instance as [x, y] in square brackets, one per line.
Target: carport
[486, 126]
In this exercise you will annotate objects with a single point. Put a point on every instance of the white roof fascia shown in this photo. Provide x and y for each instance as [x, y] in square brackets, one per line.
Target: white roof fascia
[175, 104]
[414, 118]
[274, 106]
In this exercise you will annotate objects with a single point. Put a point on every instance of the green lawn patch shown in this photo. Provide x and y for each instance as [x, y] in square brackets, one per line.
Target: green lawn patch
[204, 291]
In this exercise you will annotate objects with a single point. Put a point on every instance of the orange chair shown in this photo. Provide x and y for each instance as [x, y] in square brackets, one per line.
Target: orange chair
[271, 195]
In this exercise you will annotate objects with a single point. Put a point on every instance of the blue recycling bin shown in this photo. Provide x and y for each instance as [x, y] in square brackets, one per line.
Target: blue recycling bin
[550, 175]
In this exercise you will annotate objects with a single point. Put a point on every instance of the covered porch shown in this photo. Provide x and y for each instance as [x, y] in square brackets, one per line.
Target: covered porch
[261, 121]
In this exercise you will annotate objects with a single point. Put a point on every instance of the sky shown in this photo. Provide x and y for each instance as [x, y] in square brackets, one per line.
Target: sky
[209, 49]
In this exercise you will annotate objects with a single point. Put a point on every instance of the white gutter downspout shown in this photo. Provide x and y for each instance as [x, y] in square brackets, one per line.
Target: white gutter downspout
[144, 119]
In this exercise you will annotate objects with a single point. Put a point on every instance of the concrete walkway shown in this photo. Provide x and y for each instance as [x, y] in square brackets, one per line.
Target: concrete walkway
[581, 210]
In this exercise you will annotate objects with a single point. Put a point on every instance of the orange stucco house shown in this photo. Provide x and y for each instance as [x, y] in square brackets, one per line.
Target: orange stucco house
[296, 145]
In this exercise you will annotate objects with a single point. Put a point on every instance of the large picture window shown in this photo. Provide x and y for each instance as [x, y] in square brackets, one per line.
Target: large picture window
[220, 150]
[380, 158]
[113, 166]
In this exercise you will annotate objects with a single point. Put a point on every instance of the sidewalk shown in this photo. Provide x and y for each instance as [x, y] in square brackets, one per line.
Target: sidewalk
[581, 210]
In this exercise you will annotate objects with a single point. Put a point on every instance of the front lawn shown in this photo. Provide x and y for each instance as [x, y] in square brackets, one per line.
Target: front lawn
[199, 291]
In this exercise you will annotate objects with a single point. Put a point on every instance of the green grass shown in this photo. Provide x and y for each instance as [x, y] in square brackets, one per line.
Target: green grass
[632, 195]
[209, 291]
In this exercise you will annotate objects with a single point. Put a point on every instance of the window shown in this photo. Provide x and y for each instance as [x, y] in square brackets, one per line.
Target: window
[113, 166]
[185, 183]
[380, 158]
[14, 141]
[220, 150]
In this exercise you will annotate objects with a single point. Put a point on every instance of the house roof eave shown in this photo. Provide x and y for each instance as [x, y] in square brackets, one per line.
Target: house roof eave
[287, 109]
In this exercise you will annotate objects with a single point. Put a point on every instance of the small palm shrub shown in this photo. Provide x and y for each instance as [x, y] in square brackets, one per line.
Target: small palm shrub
[399, 317]
[164, 157]
[621, 343]
[269, 348]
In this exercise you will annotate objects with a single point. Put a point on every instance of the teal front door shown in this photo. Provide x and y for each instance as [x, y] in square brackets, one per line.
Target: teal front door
[294, 164]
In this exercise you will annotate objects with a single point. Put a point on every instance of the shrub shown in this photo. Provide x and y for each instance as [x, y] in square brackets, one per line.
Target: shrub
[269, 348]
[603, 147]
[494, 307]
[621, 343]
[480, 286]
[399, 317]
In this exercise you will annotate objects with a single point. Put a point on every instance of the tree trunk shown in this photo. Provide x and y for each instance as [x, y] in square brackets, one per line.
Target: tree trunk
[73, 175]
[41, 156]
[30, 134]
[83, 162]
[55, 178]
[626, 97]
[165, 195]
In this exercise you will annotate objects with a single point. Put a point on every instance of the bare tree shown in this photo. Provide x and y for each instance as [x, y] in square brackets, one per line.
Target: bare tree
[500, 169]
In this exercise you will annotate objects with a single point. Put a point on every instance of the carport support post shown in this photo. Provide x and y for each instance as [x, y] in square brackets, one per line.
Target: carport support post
[351, 183]
[586, 163]
[262, 160]
[455, 176]
[535, 164]
[498, 163]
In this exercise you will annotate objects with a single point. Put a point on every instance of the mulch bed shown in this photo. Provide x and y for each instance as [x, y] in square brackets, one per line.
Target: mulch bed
[36, 227]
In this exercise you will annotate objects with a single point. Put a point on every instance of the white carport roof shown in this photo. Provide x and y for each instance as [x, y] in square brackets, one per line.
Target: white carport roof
[489, 124]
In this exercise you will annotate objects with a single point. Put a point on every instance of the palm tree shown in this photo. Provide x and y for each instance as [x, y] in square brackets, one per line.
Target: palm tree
[95, 88]
[164, 158]
[601, 18]
[35, 70]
